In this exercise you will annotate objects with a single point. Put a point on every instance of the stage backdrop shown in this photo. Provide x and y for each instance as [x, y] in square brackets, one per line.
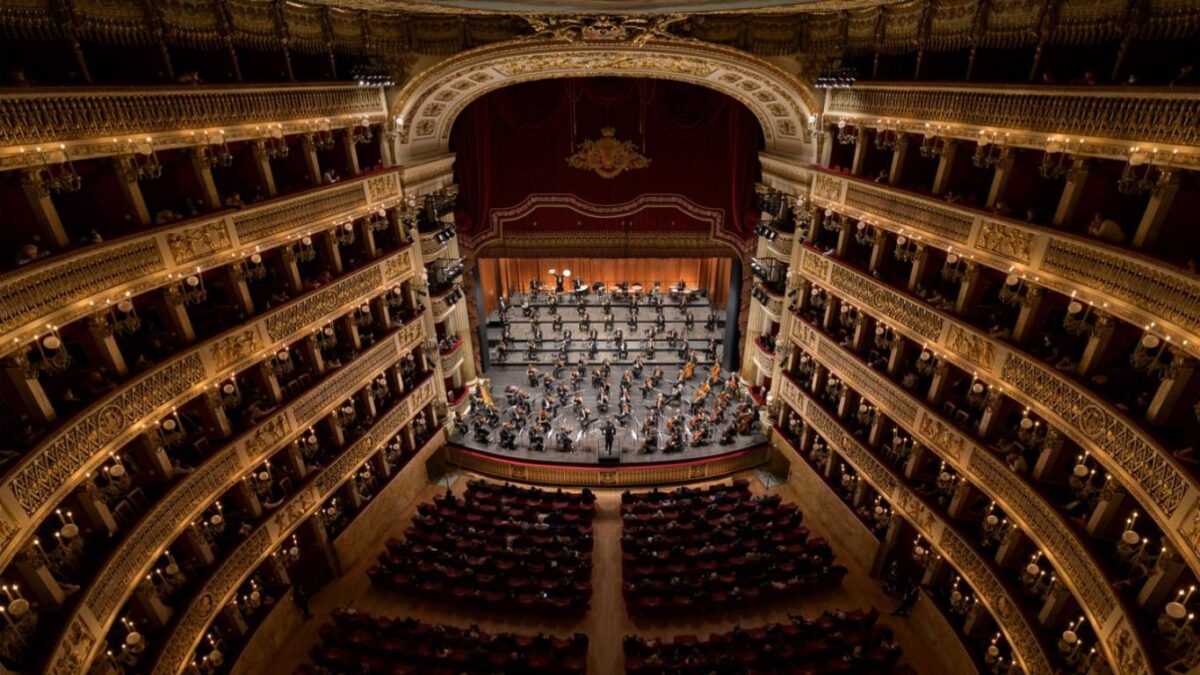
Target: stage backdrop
[515, 181]
[508, 275]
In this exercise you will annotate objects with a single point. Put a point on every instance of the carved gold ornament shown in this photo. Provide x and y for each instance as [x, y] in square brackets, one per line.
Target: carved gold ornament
[607, 156]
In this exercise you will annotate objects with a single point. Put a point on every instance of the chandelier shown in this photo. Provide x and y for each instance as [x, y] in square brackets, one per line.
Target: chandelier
[1056, 160]
[216, 154]
[255, 270]
[361, 132]
[139, 166]
[377, 221]
[954, 269]
[1140, 174]
[274, 145]
[932, 145]
[926, 362]
[49, 178]
[124, 319]
[886, 136]
[1080, 320]
[281, 362]
[344, 235]
[906, 249]
[362, 315]
[395, 298]
[323, 138]
[1148, 355]
[326, 337]
[885, 337]
[53, 357]
[867, 235]
[306, 252]
[987, 151]
[844, 137]
[1015, 291]
[231, 394]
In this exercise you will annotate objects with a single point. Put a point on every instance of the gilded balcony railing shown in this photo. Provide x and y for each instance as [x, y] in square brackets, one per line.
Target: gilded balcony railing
[48, 472]
[1167, 492]
[1108, 120]
[65, 288]
[100, 603]
[224, 582]
[1017, 629]
[81, 123]
[1062, 545]
[627, 476]
[1130, 286]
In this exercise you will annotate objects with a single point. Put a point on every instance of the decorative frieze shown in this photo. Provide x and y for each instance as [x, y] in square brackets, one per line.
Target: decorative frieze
[46, 473]
[65, 288]
[1133, 287]
[167, 518]
[930, 524]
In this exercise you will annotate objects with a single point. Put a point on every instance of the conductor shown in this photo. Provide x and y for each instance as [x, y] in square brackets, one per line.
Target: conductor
[610, 432]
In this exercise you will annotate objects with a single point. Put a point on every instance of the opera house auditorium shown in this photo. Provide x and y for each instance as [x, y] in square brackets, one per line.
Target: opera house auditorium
[374, 337]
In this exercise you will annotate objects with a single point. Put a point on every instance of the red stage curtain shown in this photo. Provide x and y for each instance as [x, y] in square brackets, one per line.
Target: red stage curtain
[514, 142]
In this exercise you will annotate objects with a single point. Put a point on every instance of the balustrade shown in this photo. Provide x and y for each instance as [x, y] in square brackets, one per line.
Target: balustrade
[96, 609]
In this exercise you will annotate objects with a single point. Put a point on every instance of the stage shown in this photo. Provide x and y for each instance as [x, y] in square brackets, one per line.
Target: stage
[587, 445]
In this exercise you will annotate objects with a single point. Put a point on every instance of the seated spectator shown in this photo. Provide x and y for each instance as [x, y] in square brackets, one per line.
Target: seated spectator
[1106, 229]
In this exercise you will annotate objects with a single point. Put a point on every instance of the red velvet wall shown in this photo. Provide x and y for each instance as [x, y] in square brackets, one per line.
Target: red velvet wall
[514, 143]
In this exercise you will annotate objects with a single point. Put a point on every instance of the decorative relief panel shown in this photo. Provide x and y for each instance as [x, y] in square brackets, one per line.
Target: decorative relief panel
[380, 188]
[73, 660]
[198, 242]
[48, 470]
[397, 266]
[974, 347]
[1004, 240]
[236, 347]
[1146, 465]
[884, 300]
[942, 436]
[815, 263]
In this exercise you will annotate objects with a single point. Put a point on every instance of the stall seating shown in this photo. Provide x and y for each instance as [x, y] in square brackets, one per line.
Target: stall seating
[356, 643]
[717, 548]
[836, 642]
[499, 546]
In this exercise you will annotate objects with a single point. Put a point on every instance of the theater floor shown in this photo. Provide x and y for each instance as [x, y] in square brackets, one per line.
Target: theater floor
[607, 622]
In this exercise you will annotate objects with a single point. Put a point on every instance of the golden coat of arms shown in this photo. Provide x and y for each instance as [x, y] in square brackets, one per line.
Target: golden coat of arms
[607, 156]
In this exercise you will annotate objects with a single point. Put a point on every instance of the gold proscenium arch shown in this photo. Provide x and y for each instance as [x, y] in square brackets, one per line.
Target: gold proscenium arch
[427, 106]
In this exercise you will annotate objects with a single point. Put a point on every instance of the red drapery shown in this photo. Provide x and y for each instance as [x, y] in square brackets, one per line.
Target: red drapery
[513, 143]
